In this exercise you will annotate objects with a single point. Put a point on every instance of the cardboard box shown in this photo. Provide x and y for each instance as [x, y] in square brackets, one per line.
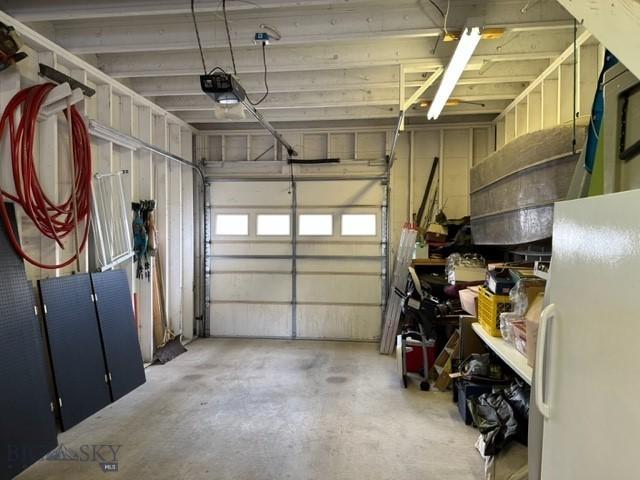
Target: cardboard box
[469, 301]
[519, 273]
[422, 251]
[467, 274]
[520, 337]
[532, 318]
[510, 265]
[533, 290]
[497, 266]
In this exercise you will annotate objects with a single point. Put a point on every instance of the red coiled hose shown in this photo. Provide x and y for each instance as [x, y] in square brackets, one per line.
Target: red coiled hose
[53, 220]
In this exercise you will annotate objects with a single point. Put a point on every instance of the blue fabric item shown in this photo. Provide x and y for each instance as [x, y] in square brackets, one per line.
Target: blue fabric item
[140, 241]
[597, 112]
[139, 236]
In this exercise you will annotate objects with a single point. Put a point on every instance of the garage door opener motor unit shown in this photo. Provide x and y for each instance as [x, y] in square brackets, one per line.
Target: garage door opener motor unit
[223, 88]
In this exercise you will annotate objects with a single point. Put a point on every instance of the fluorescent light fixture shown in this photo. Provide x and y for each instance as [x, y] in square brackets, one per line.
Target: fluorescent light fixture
[466, 46]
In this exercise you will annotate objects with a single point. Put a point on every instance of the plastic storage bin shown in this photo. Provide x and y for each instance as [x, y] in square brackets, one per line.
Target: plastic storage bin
[490, 306]
[466, 390]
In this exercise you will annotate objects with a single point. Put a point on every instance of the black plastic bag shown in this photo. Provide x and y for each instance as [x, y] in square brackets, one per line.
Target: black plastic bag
[495, 419]
[502, 416]
[476, 364]
[517, 394]
[483, 368]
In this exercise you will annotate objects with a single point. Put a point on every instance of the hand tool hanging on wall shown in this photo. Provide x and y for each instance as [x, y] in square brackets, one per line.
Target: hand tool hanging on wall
[54, 220]
[140, 240]
[149, 217]
[145, 236]
[159, 311]
[168, 344]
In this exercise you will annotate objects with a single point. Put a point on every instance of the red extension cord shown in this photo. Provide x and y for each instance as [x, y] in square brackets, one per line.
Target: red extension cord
[54, 221]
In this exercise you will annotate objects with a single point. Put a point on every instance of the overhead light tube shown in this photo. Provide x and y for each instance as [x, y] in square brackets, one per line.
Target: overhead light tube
[466, 46]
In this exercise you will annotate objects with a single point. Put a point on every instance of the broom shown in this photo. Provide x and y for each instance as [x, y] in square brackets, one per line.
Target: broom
[172, 346]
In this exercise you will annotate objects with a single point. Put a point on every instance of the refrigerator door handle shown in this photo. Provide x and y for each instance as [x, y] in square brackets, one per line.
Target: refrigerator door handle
[541, 352]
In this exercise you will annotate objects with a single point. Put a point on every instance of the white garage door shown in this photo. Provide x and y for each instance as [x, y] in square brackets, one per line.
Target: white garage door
[327, 284]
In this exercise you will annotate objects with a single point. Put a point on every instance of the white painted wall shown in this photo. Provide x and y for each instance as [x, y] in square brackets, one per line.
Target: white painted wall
[458, 147]
[549, 99]
[170, 184]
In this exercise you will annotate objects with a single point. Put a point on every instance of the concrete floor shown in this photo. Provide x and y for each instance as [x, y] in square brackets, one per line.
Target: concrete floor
[271, 409]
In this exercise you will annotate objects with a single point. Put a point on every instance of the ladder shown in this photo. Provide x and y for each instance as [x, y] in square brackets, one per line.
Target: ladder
[398, 288]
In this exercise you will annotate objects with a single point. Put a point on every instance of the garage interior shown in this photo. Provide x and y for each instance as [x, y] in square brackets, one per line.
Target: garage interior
[339, 239]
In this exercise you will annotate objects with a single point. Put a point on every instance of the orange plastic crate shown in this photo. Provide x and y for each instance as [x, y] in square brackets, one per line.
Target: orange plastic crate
[490, 306]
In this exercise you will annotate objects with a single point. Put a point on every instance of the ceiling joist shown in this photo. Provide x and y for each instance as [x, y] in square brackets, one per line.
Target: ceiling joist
[416, 54]
[296, 26]
[335, 60]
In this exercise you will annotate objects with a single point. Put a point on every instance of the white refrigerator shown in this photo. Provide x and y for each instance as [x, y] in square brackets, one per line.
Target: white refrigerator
[587, 376]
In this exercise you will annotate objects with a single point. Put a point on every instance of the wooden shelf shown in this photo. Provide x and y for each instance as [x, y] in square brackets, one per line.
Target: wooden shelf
[438, 262]
[506, 352]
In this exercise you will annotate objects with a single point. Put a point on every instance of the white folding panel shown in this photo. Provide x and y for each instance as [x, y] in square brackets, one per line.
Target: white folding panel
[338, 278]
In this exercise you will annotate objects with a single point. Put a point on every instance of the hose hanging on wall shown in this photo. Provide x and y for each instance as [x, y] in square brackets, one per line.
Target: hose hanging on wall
[54, 220]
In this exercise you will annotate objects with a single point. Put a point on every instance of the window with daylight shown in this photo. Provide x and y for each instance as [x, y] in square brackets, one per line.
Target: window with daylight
[232, 224]
[271, 224]
[358, 224]
[315, 224]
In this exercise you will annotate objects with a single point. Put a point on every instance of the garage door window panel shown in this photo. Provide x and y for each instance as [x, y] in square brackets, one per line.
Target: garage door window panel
[278, 225]
[232, 225]
[358, 225]
[315, 225]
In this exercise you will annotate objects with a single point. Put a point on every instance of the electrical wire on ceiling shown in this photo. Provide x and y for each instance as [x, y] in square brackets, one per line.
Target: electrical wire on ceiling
[266, 83]
[247, 2]
[446, 17]
[435, 45]
[226, 26]
[437, 7]
[507, 42]
[277, 36]
[528, 5]
[195, 26]
[443, 14]
[275, 33]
